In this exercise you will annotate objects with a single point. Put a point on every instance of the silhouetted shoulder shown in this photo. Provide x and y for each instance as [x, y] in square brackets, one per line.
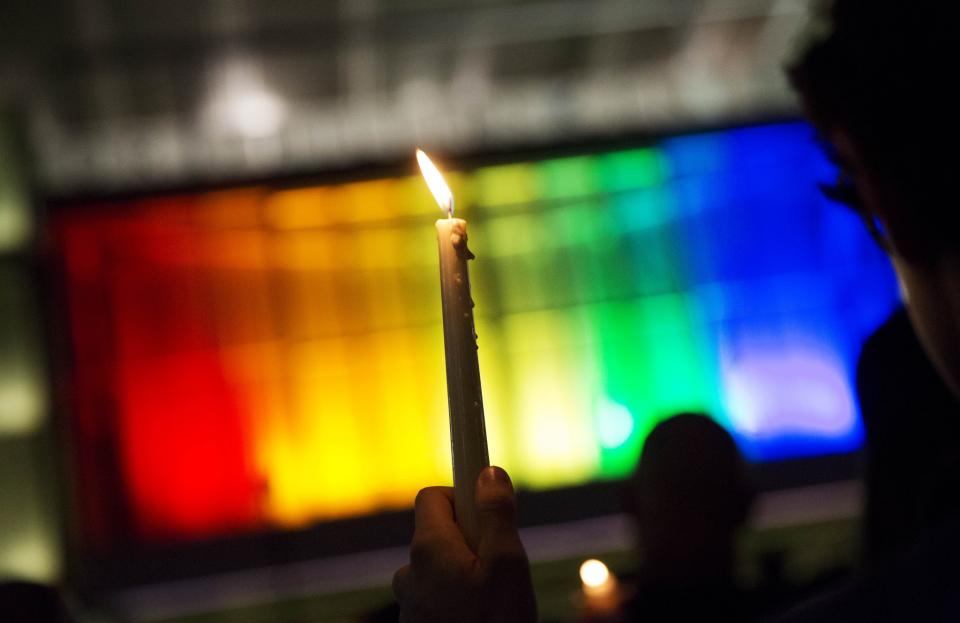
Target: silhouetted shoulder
[921, 585]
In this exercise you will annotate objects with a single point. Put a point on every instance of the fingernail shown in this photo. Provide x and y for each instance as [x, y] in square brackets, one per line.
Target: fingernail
[494, 474]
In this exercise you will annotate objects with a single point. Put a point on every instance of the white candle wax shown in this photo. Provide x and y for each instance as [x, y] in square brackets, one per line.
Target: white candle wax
[468, 438]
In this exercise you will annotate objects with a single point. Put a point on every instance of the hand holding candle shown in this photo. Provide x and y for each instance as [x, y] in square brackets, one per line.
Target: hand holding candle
[468, 437]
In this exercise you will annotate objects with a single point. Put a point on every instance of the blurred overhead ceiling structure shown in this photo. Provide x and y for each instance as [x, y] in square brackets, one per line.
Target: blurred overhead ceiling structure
[135, 94]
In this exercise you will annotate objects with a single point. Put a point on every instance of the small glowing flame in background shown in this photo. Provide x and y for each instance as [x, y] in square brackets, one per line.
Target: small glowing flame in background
[435, 182]
[594, 574]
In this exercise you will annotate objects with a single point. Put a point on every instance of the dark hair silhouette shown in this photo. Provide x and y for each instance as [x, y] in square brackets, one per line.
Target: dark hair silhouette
[690, 477]
[689, 496]
[879, 71]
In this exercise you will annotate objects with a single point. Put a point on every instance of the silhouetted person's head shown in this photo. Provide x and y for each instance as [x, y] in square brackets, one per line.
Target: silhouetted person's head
[876, 79]
[690, 497]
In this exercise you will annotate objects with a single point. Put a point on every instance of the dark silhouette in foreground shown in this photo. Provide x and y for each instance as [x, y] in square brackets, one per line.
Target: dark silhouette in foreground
[913, 423]
[873, 78]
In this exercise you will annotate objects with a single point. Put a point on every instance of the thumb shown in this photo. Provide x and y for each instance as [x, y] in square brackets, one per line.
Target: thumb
[508, 594]
[496, 513]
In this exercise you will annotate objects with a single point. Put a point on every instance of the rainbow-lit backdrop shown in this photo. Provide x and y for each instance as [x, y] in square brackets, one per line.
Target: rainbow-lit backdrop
[262, 357]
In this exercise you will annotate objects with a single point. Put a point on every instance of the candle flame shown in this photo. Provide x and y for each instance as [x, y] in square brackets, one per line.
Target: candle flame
[435, 182]
[594, 573]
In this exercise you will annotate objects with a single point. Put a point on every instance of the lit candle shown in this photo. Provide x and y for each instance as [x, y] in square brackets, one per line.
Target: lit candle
[597, 579]
[468, 436]
[601, 596]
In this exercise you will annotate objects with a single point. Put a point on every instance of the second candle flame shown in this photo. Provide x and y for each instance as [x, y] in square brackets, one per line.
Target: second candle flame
[435, 182]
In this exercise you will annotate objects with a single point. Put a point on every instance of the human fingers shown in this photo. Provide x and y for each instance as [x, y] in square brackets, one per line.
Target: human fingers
[399, 583]
[496, 512]
[433, 513]
[508, 589]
